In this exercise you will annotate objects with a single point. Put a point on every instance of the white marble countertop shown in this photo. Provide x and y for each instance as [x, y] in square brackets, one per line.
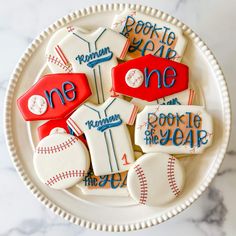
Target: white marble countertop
[213, 214]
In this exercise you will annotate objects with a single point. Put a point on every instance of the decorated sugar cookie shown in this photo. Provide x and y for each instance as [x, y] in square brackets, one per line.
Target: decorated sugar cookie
[149, 35]
[185, 97]
[54, 55]
[173, 129]
[57, 130]
[155, 179]
[150, 78]
[106, 133]
[56, 126]
[93, 53]
[61, 160]
[104, 185]
[54, 96]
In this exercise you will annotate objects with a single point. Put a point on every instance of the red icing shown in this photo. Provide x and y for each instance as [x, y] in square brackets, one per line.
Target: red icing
[45, 129]
[55, 81]
[152, 92]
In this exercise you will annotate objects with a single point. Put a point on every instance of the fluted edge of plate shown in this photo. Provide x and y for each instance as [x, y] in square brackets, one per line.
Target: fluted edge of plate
[26, 56]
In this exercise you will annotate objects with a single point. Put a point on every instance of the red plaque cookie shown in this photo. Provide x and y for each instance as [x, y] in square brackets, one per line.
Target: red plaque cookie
[150, 78]
[54, 96]
[46, 128]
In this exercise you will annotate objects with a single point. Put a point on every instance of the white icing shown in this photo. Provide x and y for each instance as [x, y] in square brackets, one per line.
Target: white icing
[58, 130]
[106, 133]
[185, 97]
[37, 104]
[134, 78]
[155, 179]
[143, 133]
[109, 185]
[61, 160]
[152, 22]
[54, 59]
[94, 53]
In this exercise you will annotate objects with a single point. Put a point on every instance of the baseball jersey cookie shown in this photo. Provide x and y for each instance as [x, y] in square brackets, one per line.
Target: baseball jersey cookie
[185, 97]
[106, 133]
[55, 126]
[54, 96]
[155, 179]
[54, 53]
[105, 185]
[61, 160]
[150, 35]
[94, 54]
[173, 129]
[150, 78]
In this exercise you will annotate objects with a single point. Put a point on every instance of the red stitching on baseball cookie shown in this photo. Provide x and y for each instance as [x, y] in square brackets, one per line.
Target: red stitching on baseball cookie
[57, 148]
[143, 184]
[171, 176]
[58, 62]
[65, 175]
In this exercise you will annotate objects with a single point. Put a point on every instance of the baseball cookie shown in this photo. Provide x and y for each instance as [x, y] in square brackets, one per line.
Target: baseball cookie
[155, 179]
[61, 160]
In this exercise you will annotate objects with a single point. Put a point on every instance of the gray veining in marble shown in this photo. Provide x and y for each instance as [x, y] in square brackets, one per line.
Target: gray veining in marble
[213, 214]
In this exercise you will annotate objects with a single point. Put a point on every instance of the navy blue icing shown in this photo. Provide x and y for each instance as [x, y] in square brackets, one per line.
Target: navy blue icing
[161, 79]
[105, 123]
[50, 98]
[154, 134]
[103, 180]
[65, 91]
[62, 95]
[108, 126]
[153, 30]
[94, 58]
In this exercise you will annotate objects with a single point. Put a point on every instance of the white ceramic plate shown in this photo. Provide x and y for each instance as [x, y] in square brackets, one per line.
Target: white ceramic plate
[107, 213]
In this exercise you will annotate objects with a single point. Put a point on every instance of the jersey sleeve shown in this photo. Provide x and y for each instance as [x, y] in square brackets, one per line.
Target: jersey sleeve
[55, 57]
[127, 110]
[75, 121]
[119, 44]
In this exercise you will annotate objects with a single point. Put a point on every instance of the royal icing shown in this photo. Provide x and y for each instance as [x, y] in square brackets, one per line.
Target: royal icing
[56, 126]
[61, 160]
[149, 35]
[155, 179]
[173, 129]
[104, 185]
[185, 97]
[106, 133]
[93, 53]
[54, 96]
[134, 78]
[37, 104]
[157, 78]
[54, 53]
[58, 130]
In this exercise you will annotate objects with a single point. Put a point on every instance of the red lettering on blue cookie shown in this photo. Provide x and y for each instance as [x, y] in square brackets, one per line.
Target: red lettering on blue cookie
[54, 96]
[150, 78]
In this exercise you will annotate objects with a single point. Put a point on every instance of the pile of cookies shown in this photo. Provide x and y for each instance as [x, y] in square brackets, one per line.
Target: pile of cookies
[117, 106]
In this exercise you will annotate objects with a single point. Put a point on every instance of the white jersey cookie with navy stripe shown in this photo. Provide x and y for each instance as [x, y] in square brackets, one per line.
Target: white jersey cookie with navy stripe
[93, 53]
[55, 57]
[106, 133]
